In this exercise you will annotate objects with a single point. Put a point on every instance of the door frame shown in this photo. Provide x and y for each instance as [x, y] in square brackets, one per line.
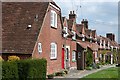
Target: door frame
[68, 56]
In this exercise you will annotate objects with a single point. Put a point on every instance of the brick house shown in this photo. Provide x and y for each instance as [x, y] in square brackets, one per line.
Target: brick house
[69, 41]
[37, 30]
[32, 29]
[107, 47]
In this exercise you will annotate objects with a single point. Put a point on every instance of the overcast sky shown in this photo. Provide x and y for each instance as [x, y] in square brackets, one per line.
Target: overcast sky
[102, 15]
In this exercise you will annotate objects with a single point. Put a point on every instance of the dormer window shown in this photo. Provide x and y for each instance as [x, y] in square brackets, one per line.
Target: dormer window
[74, 35]
[53, 19]
[29, 26]
[66, 32]
[90, 38]
[83, 39]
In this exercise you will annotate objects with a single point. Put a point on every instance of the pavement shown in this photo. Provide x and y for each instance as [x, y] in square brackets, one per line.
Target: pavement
[77, 74]
[82, 73]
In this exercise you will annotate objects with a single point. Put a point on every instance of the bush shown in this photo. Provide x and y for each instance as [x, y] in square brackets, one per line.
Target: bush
[1, 59]
[89, 58]
[33, 69]
[24, 69]
[13, 58]
[50, 76]
[89, 68]
[98, 66]
[9, 71]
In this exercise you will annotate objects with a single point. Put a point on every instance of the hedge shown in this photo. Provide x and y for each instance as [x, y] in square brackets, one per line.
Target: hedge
[9, 70]
[32, 69]
[25, 69]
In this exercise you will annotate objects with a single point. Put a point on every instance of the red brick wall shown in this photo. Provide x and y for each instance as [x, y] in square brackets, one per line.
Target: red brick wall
[46, 36]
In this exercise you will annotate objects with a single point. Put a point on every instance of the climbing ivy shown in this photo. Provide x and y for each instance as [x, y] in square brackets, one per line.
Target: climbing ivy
[89, 58]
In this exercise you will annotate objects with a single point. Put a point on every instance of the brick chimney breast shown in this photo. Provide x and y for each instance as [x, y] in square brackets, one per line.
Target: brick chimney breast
[72, 15]
[85, 22]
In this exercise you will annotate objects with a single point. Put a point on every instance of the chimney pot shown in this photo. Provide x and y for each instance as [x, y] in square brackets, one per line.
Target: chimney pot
[73, 12]
[70, 12]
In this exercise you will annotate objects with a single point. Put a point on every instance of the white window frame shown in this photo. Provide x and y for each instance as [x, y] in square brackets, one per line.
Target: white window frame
[100, 43]
[53, 19]
[104, 44]
[74, 35]
[40, 47]
[66, 30]
[53, 51]
[83, 39]
[73, 55]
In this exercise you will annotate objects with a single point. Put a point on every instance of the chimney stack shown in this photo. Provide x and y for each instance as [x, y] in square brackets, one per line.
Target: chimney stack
[111, 36]
[85, 22]
[72, 15]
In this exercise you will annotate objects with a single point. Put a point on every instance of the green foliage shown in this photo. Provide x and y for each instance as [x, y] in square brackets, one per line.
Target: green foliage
[88, 68]
[89, 58]
[9, 71]
[25, 69]
[32, 69]
[106, 73]
[114, 56]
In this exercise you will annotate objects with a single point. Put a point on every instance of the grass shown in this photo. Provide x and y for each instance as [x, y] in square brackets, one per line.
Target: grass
[107, 73]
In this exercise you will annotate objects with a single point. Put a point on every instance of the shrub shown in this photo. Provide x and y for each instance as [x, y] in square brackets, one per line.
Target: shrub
[32, 69]
[9, 71]
[50, 76]
[89, 58]
[98, 65]
[88, 68]
[1, 59]
[13, 58]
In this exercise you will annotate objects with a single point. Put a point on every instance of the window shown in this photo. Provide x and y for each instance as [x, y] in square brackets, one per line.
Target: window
[53, 19]
[66, 30]
[90, 38]
[83, 39]
[74, 35]
[53, 54]
[73, 56]
[67, 53]
[39, 47]
[79, 55]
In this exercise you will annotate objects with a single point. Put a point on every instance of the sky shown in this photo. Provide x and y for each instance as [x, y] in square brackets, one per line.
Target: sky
[102, 15]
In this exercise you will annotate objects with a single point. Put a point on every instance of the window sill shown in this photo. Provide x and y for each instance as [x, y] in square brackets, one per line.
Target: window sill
[73, 39]
[53, 27]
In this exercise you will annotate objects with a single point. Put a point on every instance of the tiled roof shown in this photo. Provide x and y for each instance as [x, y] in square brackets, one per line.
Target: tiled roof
[79, 27]
[80, 35]
[93, 33]
[70, 23]
[93, 46]
[70, 33]
[83, 44]
[16, 16]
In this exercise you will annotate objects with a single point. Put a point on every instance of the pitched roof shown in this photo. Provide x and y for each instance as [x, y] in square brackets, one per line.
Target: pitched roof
[70, 23]
[79, 27]
[16, 38]
[93, 33]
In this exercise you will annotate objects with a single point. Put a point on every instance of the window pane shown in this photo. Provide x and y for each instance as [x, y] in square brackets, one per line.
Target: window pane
[53, 51]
